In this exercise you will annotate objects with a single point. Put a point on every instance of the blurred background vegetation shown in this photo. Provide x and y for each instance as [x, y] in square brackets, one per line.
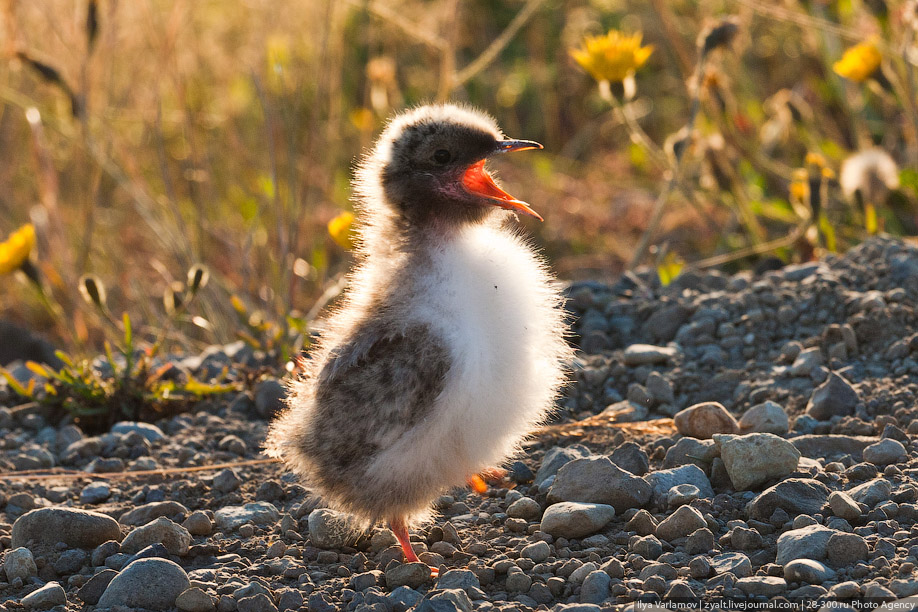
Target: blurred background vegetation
[140, 138]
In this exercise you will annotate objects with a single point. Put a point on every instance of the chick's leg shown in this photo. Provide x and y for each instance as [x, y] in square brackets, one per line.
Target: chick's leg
[400, 529]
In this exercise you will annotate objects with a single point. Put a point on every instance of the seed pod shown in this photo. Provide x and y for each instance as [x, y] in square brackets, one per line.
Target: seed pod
[93, 291]
[718, 35]
[174, 298]
[198, 275]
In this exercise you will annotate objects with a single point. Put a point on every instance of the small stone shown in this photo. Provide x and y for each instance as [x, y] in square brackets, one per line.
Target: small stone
[808, 571]
[70, 561]
[597, 480]
[518, 583]
[257, 513]
[557, 457]
[806, 362]
[141, 515]
[198, 524]
[844, 549]
[885, 452]
[269, 398]
[174, 537]
[871, 493]
[691, 450]
[737, 564]
[793, 495]
[458, 579]
[575, 519]
[805, 543]
[538, 552]
[260, 602]
[146, 583]
[700, 541]
[647, 354]
[631, 458]
[76, 528]
[662, 481]
[361, 582]
[150, 432]
[660, 389]
[46, 597]
[331, 529]
[525, 508]
[648, 547]
[767, 417]
[642, 523]
[227, 480]
[194, 600]
[681, 523]
[595, 587]
[19, 563]
[403, 598]
[756, 458]
[412, 575]
[704, 420]
[681, 495]
[95, 492]
[765, 586]
[834, 397]
[95, 586]
[843, 506]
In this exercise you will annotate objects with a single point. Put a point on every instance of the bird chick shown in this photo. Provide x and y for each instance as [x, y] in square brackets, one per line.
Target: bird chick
[448, 348]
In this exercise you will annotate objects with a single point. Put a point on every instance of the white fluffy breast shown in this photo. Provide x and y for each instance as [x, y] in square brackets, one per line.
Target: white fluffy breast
[492, 301]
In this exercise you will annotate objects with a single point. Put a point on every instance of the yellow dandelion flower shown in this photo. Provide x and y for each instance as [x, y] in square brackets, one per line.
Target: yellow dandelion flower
[612, 57]
[339, 229]
[15, 250]
[859, 62]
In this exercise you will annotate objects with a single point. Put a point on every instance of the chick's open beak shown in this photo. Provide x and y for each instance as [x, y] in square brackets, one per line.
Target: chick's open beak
[477, 180]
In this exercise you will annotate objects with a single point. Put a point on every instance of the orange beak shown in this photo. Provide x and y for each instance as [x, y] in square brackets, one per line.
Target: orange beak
[477, 180]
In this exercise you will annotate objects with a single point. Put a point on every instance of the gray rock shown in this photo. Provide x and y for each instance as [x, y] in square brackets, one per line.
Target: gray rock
[525, 508]
[365, 580]
[756, 458]
[173, 536]
[146, 583]
[597, 480]
[834, 397]
[76, 528]
[683, 494]
[660, 389]
[95, 492]
[661, 481]
[269, 398]
[198, 523]
[691, 450]
[885, 452]
[647, 354]
[843, 506]
[331, 529]
[259, 602]
[412, 575]
[700, 541]
[766, 586]
[737, 564]
[794, 496]
[767, 417]
[403, 598]
[595, 588]
[19, 563]
[141, 515]
[227, 480]
[806, 362]
[681, 523]
[808, 571]
[46, 597]
[631, 458]
[149, 431]
[663, 324]
[194, 599]
[258, 513]
[556, 457]
[575, 520]
[95, 586]
[704, 420]
[871, 493]
[458, 579]
[70, 561]
[537, 551]
[447, 600]
[648, 547]
[832, 447]
[805, 543]
[845, 549]
[904, 588]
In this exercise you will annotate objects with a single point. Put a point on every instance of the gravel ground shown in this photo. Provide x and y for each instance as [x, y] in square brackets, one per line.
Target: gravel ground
[724, 437]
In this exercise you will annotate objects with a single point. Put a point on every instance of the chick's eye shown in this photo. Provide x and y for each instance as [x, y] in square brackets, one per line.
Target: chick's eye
[442, 156]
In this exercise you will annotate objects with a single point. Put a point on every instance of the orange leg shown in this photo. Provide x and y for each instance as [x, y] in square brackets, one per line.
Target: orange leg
[400, 529]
